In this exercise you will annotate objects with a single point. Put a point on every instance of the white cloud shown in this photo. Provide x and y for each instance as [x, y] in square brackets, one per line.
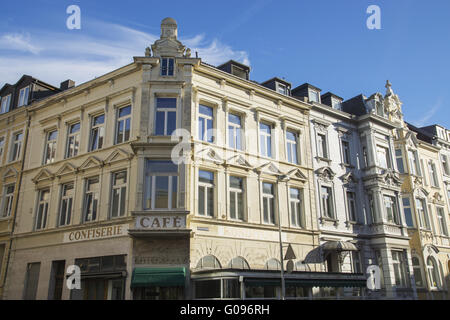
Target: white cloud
[54, 57]
[428, 115]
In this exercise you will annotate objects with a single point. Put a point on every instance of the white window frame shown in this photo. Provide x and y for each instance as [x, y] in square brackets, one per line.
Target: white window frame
[68, 199]
[265, 137]
[5, 104]
[391, 200]
[381, 150]
[123, 120]
[237, 130]
[399, 158]
[151, 182]
[322, 145]
[122, 188]
[203, 118]
[23, 98]
[411, 210]
[95, 194]
[16, 147]
[440, 213]
[434, 268]
[271, 217]
[45, 204]
[417, 268]
[101, 132]
[351, 205]
[166, 115]
[282, 88]
[167, 62]
[433, 174]
[422, 212]
[398, 260]
[327, 202]
[7, 201]
[445, 165]
[206, 188]
[313, 93]
[233, 197]
[297, 214]
[50, 147]
[75, 137]
[413, 162]
[292, 145]
[2, 147]
[346, 155]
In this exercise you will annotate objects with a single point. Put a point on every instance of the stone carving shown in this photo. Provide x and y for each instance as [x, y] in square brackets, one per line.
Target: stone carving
[392, 104]
[148, 52]
[168, 45]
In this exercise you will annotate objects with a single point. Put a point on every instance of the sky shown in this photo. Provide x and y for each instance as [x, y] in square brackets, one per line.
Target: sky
[323, 42]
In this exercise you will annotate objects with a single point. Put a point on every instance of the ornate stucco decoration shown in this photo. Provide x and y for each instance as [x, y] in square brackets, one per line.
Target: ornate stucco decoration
[269, 168]
[349, 178]
[392, 104]
[238, 161]
[168, 45]
[390, 178]
[43, 175]
[325, 174]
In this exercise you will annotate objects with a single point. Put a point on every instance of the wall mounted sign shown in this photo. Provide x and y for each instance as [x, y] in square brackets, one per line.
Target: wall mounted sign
[161, 222]
[96, 233]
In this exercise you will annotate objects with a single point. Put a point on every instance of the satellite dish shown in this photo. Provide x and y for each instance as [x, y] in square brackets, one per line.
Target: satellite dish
[290, 266]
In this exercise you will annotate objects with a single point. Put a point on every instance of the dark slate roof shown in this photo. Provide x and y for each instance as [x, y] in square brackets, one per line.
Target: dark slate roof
[355, 105]
[422, 134]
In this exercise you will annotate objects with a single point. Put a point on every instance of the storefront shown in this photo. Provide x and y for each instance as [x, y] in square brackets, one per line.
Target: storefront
[158, 283]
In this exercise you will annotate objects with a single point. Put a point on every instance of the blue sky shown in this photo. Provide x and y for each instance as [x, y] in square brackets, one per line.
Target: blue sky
[323, 42]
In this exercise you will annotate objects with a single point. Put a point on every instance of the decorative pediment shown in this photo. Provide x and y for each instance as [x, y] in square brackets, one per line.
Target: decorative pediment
[296, 174]
[238, 161]
[118, 155]
[411, 139]
[66, 169]
[10, 173]
[349, 178]
[390, 178]
[325, 173]
[209, 154]
[422, 193]
[437, 197]
[269, 168]
[43, 175]
[90, 163]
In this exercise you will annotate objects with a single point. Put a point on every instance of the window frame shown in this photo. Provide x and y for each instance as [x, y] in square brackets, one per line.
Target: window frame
[387, 157]
[399, 260]
[23, 99]
[440, 214]
[267, 138]
[5, 104]
[209, 188]
[50, 147]
[95, 194]
[322, 145]
[123, 119]
[422, 212]
[101, 132]
[346, 152]
[351, 205]
[237, 192]
[76, 139]
[400, 161]
[150, 185]
[15, 153]
[165, 65]
[208, 134]
[292, 146]
[299, 209]
[237, 130]
[70, 199]
[394, 205]
[46, 204]
[123, 188]
[7, 199]
[271, 201]
[329, 201]
[165, 111]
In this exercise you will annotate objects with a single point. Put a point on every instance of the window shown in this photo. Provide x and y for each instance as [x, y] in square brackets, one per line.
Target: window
[365, 157]
[322, 150]
[413, 163]
[42, 210]
[295, 200]
[423, 172]
[408, 212]
[399, 158]
[281, 88]
[91, 197]
[335, 103]
[31, 281]
[123, 124]
[8, 197]
[161, 185]
[50, 147]
[383, 157]
[2, 145]
[23, 96]
[379, 109]
[236, 198]
[327, 202]
[97, 132]
[166, 116]
[291, 146]
[313, 96]
[423, 215]
[391, 209]
[441, 221]
[16, 146]
[65, 212]
[206, 193]
[345, 152]
[119, 194]
[57, 280]
[418, 278]
[234, 131]
[73, 140]
[445, 167]
[433, 174]
[356, 262]
[5, 104]
[351, 205]
[205, 123]
[268, 199]
[398, 262]
[379, 259]
[372, 206]
[167, 66]
[265, 136]
[433, 273]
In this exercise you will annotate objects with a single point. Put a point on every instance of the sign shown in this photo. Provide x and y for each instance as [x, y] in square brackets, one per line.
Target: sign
[290, 255]
[161, 222]
[96, 233]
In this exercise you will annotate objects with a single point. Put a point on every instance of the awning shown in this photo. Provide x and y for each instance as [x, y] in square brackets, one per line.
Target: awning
[339, 246]
[306, 282]
[164, 277]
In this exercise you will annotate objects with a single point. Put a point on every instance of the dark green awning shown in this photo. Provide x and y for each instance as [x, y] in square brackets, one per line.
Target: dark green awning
[164, 277]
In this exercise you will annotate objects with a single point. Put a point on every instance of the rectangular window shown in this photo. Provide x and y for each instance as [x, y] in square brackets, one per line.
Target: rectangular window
[372, 207]
[234, 131]
[313, 96]
[2, 145]
[445, 167]
[291, 147]
[365, 157]
[31, 281]
[408, 212]
[441, 221]
[8, 198]
[166, 116]
[327, 202]
[65, 211]
[161, 185]
[5, 103]
[73, 140]
[345, 152]
[91, 196]
[50, 147]
[295, 201]
[422, 213]
[205, 123]
[206, 193]
[23, 96]
[383, 157]
[42, 209]
[351, 205]
[268, 199]
[391, 209]
[398, 262]
[413, 163]
[16, 147]
[265, 138]
[167, 66]
[57, 280]
[97, 132]
[119, 194]
[236, 198]
[399, 158]
[423, 172]
[123, 128]
[356, 262]
[335, 104]
[322, 150]
[433, 174]
[281, 88]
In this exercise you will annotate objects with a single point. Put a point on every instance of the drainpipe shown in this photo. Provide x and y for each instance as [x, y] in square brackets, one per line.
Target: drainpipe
[281, 245]
[19, 183]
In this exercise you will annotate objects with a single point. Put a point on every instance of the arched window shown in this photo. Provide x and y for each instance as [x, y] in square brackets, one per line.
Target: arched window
[239, 263]
[417, 272]
[433, 273]
[273, 264]
[208, 262]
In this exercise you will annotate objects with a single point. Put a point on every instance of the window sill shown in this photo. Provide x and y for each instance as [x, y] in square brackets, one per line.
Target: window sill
[347, 165]
[323, 159]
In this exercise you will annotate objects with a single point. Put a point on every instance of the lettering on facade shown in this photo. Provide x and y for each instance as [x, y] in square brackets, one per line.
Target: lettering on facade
[96, 233]
[160, 260]
[160, 222]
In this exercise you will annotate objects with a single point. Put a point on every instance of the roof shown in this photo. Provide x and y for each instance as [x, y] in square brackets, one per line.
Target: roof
[277, 80]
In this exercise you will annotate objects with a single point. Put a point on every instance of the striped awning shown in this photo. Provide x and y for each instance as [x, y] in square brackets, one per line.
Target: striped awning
[339, 246]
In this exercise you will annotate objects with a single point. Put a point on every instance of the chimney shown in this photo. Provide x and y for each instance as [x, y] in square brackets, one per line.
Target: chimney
[67, 84]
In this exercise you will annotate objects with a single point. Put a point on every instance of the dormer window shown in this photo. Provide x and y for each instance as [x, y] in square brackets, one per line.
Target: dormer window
[167, 66]
[23, 96]
[314, 96]
[335, 103]
[281, 88]
[5, 103]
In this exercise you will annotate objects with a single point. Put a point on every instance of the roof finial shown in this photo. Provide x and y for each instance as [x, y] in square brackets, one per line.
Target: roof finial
[388, 87]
